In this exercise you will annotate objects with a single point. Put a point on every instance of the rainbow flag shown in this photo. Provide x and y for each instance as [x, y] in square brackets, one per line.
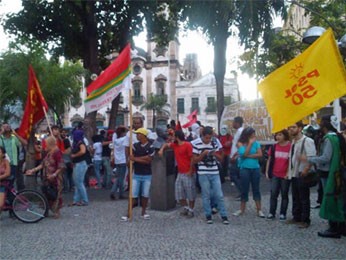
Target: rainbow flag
[115, 79]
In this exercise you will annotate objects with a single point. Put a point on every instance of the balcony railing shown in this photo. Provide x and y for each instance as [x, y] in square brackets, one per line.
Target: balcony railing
[137, 100]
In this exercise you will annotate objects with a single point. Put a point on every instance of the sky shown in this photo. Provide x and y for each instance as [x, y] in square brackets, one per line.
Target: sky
[188, 43]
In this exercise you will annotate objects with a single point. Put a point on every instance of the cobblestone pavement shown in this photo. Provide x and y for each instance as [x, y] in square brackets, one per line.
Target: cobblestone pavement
[96, 232]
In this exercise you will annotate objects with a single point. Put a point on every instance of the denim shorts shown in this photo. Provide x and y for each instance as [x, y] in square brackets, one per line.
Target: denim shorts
[2, 189]
[141, 183]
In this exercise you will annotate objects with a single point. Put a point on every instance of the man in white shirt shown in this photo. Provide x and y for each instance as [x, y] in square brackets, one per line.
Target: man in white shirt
[234, 168]
[297, 169]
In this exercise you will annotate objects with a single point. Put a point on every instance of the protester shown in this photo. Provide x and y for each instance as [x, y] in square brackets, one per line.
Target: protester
[249, 151]
[204, 154]
[78, 156]
[278, 160]
[68, 178]
[11, 141]
[119, 159]
[56, 133]
[143, 153]
[185, 189]
[53, 167]
[106, 158]
[97, 158]
[301, 145]
[226, 142]
[328, 166]
[5, 172]
[234, 167]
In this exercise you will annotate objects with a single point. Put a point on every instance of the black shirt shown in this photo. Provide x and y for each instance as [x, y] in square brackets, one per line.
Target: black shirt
[140, 150]
[76, 150]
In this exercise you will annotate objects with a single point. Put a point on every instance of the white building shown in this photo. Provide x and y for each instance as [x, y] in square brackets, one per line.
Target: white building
[157, 71]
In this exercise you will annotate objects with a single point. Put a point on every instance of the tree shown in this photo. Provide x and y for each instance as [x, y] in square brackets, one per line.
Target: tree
[158, 104]
[220, 19]
[81, 30]
[60, 83]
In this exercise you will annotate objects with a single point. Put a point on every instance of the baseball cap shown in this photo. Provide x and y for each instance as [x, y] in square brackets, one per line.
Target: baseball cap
[142, 131]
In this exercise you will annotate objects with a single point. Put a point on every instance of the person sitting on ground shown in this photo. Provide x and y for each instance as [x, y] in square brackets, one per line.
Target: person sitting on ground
[53, 167]
[185, 189]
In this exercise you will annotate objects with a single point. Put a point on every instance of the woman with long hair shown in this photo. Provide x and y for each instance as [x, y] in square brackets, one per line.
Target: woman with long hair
[249, 151]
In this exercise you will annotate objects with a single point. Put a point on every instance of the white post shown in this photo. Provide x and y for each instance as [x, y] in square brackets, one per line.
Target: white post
[337, 111]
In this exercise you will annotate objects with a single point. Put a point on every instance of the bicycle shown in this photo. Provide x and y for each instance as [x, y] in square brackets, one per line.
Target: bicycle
[28, 206]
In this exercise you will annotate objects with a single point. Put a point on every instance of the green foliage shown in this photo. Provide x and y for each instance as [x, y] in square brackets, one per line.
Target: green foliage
[158, 104]
[59, 82]
[281, 48]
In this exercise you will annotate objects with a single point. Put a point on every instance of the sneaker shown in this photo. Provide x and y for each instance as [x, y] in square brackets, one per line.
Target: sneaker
[184, 212]
[317, 206]
[282, 217]
[270, 216]
[209, 220]
[190, 214]
[124, 218]
[146, 216]
[225, 220]
[214, 211]
[112, 196]
[260, 214]
[237, 213]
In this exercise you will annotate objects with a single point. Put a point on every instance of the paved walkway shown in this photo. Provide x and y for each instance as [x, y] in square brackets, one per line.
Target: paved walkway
[96, 232]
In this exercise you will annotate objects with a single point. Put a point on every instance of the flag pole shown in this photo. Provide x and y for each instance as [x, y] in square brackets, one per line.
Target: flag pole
[45, 114]
[131, 163]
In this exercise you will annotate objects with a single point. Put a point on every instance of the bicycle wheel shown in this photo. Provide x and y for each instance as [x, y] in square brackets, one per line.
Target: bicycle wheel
[30, 206]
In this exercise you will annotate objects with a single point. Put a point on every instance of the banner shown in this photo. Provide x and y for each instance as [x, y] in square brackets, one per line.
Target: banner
[35, 103]
[305, 84]
[114, 80]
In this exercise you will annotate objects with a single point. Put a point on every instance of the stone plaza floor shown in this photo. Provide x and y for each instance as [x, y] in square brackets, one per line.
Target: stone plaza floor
[96, 232]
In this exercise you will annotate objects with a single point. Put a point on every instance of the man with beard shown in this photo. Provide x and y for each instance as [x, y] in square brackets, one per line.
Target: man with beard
[297, 170]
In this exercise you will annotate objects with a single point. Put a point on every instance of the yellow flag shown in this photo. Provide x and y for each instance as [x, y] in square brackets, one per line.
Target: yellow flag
[305, 84]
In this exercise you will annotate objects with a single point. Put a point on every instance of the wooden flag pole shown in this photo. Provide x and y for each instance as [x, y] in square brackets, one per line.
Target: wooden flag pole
[131, 163]
[45, 114]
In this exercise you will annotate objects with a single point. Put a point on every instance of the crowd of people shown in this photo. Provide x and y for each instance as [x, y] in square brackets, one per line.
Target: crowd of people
[204, 160]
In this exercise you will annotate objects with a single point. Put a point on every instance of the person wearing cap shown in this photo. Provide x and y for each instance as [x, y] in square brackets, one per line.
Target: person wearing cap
[143, 152]
[328, 165]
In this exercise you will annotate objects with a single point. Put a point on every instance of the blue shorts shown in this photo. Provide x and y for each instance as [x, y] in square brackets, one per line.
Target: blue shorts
[141, 183]
[2, 189]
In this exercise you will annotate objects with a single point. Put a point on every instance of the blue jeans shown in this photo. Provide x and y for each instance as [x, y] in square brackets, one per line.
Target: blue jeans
[119, 184]
[107, 177]
[97, 168]
[279, 185]
[211, 187]
[234, 174]
[141, 183]
[248, 176]
[80, 194]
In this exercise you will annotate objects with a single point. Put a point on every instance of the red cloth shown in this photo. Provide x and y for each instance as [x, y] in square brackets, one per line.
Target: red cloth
[35, 103]
[192, 119]
[183, 155]
[281, 160]
[223, 140]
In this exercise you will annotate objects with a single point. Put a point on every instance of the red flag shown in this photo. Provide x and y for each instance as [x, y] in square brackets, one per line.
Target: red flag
[193, 114]
[192, 119]
[35, 103]
[119, 66]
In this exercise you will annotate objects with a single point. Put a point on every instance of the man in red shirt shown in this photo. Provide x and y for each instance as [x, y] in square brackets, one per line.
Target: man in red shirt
[185, 189]
[226, 141]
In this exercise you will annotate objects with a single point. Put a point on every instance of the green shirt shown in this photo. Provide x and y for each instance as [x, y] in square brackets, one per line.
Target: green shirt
[11, 146]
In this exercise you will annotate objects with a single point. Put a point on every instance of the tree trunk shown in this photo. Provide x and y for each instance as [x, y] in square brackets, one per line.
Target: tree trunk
[91, 61]
[114, 112]
[220, 47]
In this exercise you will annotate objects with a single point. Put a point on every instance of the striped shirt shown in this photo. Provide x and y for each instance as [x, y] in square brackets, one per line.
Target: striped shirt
[206, 166]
